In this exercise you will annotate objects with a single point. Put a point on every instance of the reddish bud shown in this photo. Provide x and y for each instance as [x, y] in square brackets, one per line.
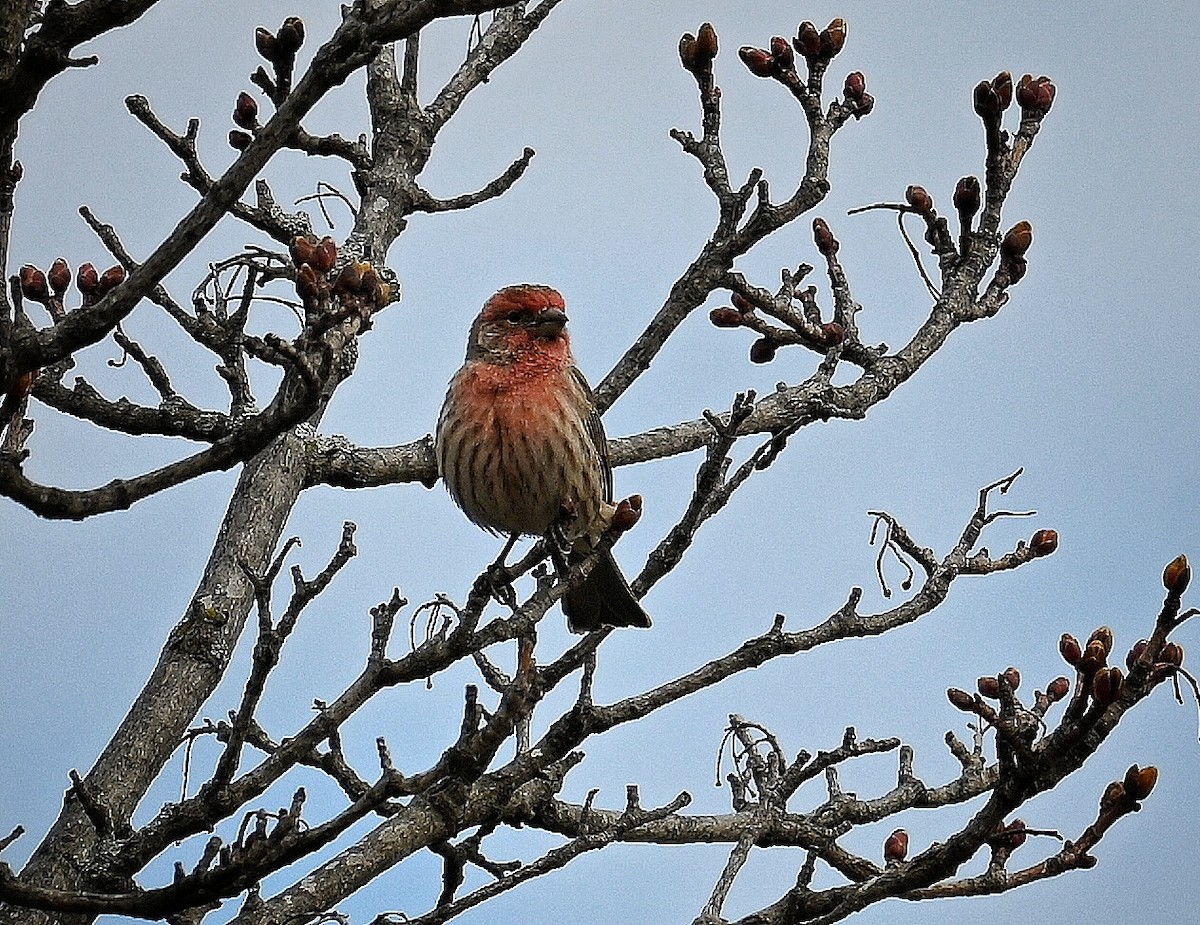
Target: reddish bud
[302, 249]
[290, 36]
[86, 280]
[1177, 574]
[758, 62]
[919, 199]
[245, 111]
[1172, 654]
[741, 303]
[239, 140]
[807, 40]
[832, 333]
[110, 279]
[833, 38]
[782, 52]
[1135, 653]
[826, 243]
[1095, 656]
[687, 52]
[1018, 239]
[350, 278]
[763, 350]
[725, 317]
[1070, 650]
[1057, 689]
[706, 45]
[989, 686]
[961, 699]
[1003, 85]
[1043, 543]
[325, 255]
[1009, 837]
[1012, 677]
[59, 276]
[895, 847]
[33, 284]
[967, 197]
[855, 86]
[1104, 636]
[627, 513]
[264, 41]
[1035, 96]
[1107, 685]
[987, 101]
[1139, 782]
[307, 286]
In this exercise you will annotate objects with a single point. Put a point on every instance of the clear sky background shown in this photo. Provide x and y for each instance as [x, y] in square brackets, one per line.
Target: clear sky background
[1087, 379]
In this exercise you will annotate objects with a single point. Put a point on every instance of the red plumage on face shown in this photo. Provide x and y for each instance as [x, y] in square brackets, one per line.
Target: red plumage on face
[523, 297]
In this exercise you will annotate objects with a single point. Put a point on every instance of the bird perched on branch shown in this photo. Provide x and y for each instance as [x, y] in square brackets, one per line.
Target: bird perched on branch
[521, 448]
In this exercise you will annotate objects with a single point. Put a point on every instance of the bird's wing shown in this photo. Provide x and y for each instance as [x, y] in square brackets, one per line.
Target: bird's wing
[595, 430]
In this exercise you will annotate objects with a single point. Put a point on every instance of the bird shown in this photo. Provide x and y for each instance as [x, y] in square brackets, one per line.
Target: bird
[520, 444]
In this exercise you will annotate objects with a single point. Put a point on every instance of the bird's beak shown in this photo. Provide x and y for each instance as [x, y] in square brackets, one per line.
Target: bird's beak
[549, 323]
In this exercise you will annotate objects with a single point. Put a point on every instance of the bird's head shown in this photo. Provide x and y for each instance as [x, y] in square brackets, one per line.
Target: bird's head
[520, 322]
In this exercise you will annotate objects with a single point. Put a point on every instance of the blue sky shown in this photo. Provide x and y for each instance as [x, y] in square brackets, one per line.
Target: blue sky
[1086, 379]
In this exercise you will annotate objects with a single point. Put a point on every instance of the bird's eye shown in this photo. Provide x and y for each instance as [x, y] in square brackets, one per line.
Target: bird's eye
[516, 317]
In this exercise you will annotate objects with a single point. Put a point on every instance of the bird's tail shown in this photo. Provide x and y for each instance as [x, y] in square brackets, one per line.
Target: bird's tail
[604, 599]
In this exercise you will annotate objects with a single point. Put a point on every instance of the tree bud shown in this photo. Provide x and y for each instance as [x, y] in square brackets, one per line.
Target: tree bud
[86, 280]
[1009, 837]
[59, 276]
[725, 317]
[325, 255]
[1002, 83]
[1012, 677]
[1095, 656]
[1070, 650]
[895, 846]
[1043, 543]
[961, 699]
[833, 38]
[264, 41]
[290, 36]
[110, 279]
[741, 303]
[758, 62]
[1104, 636]
[1114, 795]
[687, 52]
[1177, 574]
[302, 249]
[245, 111]
[826, 243]
[1135, 653]
[33, 284]
[919, 199]
[807, 40]
[706, 45]
[763, 350]
[987, 101]
[782, 52]
[855, 86]
[307, 286]
[1172, 654]
[1139, 782]
[988, 686]
[865, 104]
[967, 196]
[239, 140]
[627, 513]
[1018, 239]
[1057, 689]
[832, 333]
[1016, 268]
[1107, 685]
[1035, 96]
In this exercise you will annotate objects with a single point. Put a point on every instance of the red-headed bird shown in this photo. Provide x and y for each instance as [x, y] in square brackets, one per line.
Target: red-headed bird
[519, 441]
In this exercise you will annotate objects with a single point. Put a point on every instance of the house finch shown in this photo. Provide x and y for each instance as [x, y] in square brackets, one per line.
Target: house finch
[519, 443]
